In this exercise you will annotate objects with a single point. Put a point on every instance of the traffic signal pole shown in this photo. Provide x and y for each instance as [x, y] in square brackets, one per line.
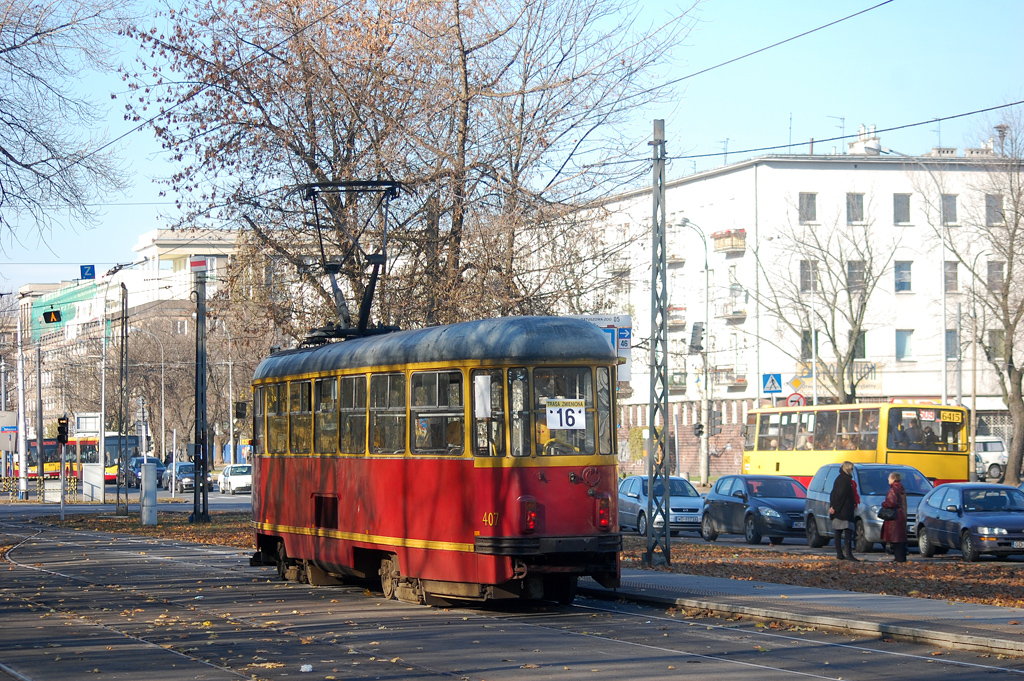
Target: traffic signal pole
[200, 498]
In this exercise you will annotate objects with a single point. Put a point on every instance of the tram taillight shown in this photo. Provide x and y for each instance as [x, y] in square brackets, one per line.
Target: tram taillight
[604, 512]
[528, 513]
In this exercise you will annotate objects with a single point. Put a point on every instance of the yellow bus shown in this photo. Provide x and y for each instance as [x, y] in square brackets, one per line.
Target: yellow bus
[797, 441]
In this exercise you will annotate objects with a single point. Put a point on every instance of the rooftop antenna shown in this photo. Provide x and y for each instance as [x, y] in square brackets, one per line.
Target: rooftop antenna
[725, 151]
[842, 129]
[938, 130]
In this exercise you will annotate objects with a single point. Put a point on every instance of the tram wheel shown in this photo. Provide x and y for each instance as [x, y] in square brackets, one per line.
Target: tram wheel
[282, 561]
[389, 576]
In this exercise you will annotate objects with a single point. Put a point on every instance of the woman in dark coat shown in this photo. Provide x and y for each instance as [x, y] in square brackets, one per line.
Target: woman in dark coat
[895, 531]
[843, 501]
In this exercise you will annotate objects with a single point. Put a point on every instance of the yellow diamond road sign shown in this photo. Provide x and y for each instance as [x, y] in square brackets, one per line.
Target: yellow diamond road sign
[796, 383]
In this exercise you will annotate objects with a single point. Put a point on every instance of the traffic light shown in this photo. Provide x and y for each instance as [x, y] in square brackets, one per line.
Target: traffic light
[241, 409]
[696, 336]
[698, 430]
[62, 430]
[51, 316]
[715, 424]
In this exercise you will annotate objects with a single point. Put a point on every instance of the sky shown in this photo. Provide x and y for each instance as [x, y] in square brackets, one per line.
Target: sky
[904, 62]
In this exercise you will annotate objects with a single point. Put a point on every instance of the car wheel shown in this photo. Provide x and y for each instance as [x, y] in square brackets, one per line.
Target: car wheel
[968, 548]
[995, 471]
[775, 541]
[814, 538]
[860, 542]
[707, 529]
[924, 544]
[641, 524]
[221, 488]
[750, 531]
[231, 490]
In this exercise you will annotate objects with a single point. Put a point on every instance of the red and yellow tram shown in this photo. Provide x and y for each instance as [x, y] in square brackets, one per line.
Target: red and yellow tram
[473, 461]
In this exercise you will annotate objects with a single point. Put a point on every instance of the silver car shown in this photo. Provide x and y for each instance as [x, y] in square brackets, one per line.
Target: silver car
[684, 514]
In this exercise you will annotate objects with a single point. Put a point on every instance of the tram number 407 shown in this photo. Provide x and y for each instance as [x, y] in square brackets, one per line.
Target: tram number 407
[566, 414]
[490, 519]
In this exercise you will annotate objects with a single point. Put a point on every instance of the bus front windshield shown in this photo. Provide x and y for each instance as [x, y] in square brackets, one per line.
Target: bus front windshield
[926, 429]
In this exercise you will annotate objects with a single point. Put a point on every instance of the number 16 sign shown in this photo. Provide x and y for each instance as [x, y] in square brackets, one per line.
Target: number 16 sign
[566, 414]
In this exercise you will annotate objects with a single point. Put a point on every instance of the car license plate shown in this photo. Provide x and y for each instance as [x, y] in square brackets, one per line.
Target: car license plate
[1018, 544]
[799, 525]
[691, 519]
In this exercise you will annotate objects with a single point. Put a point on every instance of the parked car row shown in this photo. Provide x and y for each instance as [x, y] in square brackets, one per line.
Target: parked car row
[977, 518]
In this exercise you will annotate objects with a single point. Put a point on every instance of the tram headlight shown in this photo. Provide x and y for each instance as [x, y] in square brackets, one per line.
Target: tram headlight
[528, 514]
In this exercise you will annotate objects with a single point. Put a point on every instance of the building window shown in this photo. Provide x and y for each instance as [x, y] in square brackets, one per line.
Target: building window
[952, 280]
[854, 208]
[902, 269]
[952, 344]
[182, 326]
[901, 209]
[995, 275]
[860, 346]
[808, 207]
[996, 349]
[855, 275]
[808, 276]
[994, 209]
[806, 349]
[904, 348]
[949, 209]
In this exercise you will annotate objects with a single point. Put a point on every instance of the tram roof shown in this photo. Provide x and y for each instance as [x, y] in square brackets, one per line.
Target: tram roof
[526, 340]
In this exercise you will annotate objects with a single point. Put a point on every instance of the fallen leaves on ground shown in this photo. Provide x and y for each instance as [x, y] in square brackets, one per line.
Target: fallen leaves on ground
[224, 528]
[989, 582]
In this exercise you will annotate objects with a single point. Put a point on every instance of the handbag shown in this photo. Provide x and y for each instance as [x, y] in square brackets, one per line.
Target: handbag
[887, 513]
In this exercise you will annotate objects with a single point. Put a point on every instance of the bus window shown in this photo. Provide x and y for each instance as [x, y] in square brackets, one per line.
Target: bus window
[750, 432]
[604, 411]
[438, 413]
[805, 431]
[325, 421]
[518, 399]
[568, 389]
[352, 425]
[300, 419]
[825, 430]
[387, 413]
[277, 419]
[849, 430]
[768, 433]
[488, 388]
[869, 430]
[788, 432]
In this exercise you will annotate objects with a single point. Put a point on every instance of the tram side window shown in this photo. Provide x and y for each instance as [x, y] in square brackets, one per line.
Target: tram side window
[387, 413]
[849, 430]
[604, 411]
[300, 420]
[518, 401]
[805, 431]
[438, 413]
[488, 389]
[750, 432]
[560, 393]
[869, 430]
[768, 438]
[277, 419]
[325, 420]
[257, 421]
[788, 432]
[825, 430]
[352, 436]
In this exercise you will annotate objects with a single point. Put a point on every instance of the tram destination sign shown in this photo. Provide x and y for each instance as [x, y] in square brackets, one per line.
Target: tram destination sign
[566, 414]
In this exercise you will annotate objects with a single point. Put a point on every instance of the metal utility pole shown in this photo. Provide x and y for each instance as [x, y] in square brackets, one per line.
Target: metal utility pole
[657, 462]
[122, 409]
[39, 420]
[22, 420]
[200, 496]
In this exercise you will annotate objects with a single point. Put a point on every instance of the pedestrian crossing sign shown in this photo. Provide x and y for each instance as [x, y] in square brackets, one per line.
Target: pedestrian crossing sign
[771, 383]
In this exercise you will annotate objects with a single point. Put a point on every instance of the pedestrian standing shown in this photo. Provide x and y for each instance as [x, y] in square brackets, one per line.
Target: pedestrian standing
[843, 501]
[895, 531]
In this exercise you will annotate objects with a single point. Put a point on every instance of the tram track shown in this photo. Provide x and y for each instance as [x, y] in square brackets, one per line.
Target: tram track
[298, 617]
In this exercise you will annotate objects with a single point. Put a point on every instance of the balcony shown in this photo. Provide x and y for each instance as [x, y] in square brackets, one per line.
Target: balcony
[676, 318]
[677, 382]
[674, 262]
[732, 312]
[732, 377]
[730, 241]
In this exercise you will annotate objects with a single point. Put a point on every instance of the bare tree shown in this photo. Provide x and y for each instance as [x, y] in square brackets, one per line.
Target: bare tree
[51, 161]
[833, 269]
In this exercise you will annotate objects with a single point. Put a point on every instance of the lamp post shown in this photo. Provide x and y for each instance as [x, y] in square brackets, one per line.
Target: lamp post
[705, 438]
[163, 438]
[878, 148]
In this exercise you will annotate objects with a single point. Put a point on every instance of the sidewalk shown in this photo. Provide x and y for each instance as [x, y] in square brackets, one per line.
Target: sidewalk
[942, 623]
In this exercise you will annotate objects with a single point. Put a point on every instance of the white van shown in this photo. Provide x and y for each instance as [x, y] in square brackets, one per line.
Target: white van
[989, 457]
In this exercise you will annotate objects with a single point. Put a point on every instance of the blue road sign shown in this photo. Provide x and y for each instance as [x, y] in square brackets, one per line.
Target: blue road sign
[771, 383]
[88, 271]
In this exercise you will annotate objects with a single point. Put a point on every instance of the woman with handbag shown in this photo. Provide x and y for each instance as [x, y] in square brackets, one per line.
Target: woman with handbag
[894, 516]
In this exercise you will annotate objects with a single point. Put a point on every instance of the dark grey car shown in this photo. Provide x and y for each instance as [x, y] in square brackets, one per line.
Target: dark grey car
[684, 514]
[873, 484]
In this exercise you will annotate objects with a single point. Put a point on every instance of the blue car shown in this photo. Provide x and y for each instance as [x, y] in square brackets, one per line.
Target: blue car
[975, 517]
[755, 506]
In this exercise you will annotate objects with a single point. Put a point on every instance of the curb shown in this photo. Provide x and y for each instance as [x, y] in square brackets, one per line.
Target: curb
[903, 633]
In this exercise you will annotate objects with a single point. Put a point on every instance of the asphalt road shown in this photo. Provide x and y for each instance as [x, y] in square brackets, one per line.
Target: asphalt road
[76, 604]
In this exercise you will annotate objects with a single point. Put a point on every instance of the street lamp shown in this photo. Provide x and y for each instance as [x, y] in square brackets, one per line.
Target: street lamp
[163, 438]
[705, 438]
[877, 148]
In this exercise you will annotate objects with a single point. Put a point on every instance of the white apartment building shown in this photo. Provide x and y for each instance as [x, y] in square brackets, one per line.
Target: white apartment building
[878, 216]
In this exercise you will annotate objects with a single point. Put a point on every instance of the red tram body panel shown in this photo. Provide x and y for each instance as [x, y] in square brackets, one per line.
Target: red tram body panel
[470, 461]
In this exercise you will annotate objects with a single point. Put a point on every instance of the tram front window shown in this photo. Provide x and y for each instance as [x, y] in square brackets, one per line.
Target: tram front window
[564, 411]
